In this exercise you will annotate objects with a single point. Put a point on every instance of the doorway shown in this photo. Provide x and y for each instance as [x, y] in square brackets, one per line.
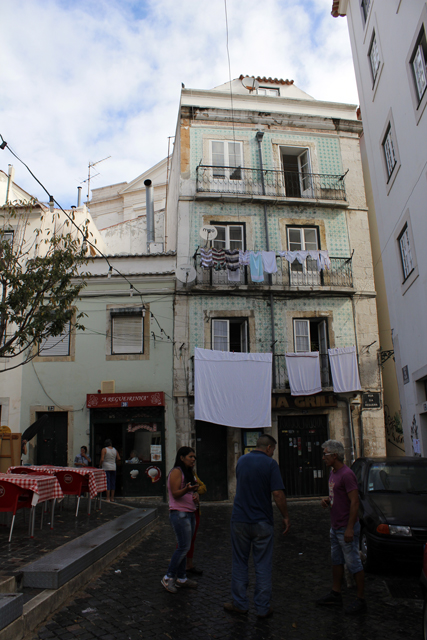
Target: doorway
[300, 454]
[52, 439]
[211, 451]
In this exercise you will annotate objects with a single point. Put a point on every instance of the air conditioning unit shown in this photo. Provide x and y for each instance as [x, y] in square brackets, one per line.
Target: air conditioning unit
[108, 386]
[156, 247]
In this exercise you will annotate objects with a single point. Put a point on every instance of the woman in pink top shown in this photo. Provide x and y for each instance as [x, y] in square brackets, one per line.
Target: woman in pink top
[183, 502]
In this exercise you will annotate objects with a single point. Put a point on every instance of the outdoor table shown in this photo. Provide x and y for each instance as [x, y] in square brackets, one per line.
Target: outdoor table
[96, 479]
[43, 488]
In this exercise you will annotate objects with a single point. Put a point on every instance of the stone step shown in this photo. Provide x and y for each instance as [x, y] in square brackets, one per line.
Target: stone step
[11, 606]
[58, 567]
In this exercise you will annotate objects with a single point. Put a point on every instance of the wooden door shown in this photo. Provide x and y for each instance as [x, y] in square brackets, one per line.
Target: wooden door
[211, 452]
[52, 439]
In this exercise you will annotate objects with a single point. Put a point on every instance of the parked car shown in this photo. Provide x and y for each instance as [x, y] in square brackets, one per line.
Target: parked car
[393, 508]
[423, 579]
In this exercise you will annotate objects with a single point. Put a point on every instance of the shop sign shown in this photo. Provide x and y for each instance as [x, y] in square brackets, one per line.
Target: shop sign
[153, 473]
[322, 401]
[371, 400]
[108, 400]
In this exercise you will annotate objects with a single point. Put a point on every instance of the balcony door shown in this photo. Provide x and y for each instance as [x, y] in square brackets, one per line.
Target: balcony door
[226, 163]
[303, 239]
[312, 335]
[298, 181]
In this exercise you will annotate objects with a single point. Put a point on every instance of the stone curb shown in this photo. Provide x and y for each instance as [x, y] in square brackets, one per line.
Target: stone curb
[39, 608]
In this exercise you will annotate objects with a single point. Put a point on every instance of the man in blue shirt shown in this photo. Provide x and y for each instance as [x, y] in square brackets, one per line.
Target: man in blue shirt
[258, 476]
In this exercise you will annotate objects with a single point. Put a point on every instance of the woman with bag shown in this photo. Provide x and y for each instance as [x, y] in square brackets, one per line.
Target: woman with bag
[183, 502]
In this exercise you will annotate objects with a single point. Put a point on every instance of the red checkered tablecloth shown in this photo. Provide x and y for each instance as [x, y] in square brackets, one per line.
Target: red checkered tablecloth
[43, 487]
[97, 478]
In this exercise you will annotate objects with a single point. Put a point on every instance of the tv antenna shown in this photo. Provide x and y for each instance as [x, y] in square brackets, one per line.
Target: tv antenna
[89, 177]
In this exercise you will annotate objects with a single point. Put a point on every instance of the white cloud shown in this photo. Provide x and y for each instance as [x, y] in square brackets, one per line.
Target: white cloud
[83, 80]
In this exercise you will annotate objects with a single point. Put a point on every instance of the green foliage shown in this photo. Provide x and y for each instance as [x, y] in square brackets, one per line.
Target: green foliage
[40, 278]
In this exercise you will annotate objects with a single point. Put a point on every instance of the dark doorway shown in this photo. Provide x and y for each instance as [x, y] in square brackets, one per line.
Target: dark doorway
[212, 459]
[52, 439]
[113, 432]
[300, 454]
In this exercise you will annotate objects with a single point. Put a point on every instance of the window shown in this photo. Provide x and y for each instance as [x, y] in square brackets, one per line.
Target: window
[266, 91]
[127, 331]
[374, 58]
[297, 172]
[389, 151]
[229, 236]
[230, 335]
[226, 159]
[7, 236]
[303, 239]
[405, 252]
[364, 7]
[57, 346]
[312, 335]
[418, 64]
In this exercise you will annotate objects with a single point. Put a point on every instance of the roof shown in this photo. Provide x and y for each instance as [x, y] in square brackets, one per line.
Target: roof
[335, 10]
[270, 80]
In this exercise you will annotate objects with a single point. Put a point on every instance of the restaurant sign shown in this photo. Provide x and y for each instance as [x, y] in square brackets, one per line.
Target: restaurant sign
[319, 401]
[114, 400]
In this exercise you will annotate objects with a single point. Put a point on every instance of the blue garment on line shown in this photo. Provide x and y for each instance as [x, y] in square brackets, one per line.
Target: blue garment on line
[256, 267]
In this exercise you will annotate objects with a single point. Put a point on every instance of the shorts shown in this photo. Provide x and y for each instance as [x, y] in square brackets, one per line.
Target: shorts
[346, 552]
[111, 480]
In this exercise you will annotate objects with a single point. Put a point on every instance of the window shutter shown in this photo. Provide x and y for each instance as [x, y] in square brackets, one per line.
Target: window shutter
[56, 346]
[127, 334]
[302, 335]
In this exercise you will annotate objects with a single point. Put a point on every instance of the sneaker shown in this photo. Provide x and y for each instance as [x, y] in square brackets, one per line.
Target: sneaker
[169, 584]
[333, 599]
[231, 608]
[189, 584]
[195, 571]
[266, 615]
[356, 607]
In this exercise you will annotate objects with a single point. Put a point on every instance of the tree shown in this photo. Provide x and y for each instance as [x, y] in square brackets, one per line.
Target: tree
[40, 277]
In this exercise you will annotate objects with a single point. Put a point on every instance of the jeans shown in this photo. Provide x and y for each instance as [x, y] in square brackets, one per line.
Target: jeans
[260, 537]
[343, 552]
[183, 523]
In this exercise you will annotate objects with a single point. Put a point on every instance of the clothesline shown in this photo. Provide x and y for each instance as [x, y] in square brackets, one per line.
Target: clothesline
[259, 262]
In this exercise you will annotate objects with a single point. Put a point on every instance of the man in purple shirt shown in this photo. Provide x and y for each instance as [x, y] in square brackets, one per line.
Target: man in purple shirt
[343, 501]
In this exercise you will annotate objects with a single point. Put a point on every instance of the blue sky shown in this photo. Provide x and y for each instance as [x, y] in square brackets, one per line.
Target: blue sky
[83, 80]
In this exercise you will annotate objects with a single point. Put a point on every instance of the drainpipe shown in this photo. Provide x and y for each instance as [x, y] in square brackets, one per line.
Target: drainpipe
[149, 212]
[10, 177]
[353, 451]
[259, 136]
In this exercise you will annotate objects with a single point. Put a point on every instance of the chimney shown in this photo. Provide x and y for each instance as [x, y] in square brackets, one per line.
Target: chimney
[149, 212]
[79, 196]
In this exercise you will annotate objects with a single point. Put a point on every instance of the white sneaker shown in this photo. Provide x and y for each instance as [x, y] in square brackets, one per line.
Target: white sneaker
[169, 584]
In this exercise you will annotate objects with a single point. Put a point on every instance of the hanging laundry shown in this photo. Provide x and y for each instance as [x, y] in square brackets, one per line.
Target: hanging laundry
[324, 260]
[218, 257]
[269, 261]
[244, 258]
[206, 258]
[304, 373]
[344, 369]
[232, 259]
[257, 272]
[234, 276]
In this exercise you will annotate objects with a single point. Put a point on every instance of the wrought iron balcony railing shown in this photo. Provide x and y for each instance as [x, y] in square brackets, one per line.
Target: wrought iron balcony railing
[288, 275]
[280, 374]
[278, 184]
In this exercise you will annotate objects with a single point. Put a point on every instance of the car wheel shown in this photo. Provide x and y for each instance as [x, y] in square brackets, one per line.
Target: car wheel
[425, 618]
[366, 552]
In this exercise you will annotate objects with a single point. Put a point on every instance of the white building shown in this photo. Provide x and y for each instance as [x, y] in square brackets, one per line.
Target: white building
[389, 45]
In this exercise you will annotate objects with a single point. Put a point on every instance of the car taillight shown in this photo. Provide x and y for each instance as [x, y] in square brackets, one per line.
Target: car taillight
[384, 529]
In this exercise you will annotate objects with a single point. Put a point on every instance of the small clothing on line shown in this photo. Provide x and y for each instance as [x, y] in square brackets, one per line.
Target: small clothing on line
[269, 261]
[206, 258]
[257, 271]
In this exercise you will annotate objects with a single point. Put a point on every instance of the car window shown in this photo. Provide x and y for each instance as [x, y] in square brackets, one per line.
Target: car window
[357, 470]
[402, 478]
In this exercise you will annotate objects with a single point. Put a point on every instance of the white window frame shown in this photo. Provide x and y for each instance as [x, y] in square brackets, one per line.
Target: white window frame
[227, 242]
[389, 151]
[374, 58]
[416, 66]
[225, 335]
[406, 253]
[268, 91]
[420, 71]
[122, 344]
[365, 7]
[231, 172]
[8, 236]
[301, 330]
[310, 274]
[57, 346]
[304, 169]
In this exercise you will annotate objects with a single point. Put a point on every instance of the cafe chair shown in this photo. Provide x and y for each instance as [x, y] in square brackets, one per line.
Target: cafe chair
[72, 484]
[13, 498]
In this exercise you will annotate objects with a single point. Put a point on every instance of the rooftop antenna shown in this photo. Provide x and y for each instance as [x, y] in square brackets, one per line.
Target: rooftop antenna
[89, 177]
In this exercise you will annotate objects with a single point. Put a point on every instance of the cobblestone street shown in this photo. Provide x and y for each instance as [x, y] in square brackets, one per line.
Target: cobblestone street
[128, 601]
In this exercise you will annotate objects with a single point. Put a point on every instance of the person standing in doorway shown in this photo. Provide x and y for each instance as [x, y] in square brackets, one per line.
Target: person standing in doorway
[343, 502]
[258, 476]
[109, 458]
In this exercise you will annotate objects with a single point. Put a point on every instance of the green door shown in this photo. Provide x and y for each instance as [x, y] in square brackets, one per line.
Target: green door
[52, 439]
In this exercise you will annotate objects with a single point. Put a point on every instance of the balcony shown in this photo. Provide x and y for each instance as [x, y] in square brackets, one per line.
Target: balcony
[288, 275]
[280, 372]
[277, 184]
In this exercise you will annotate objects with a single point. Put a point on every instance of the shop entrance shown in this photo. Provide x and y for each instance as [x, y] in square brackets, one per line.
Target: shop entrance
[300, 454]
[52, 439]
[212, 459]
[138, 435]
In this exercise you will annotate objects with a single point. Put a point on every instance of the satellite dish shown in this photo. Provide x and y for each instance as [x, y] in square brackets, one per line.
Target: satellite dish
[185, 273]
[208, 232]
[250, 83]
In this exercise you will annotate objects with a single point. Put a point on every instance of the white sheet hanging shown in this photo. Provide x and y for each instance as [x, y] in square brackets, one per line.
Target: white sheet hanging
[232, 389]
[304, 373]
[344, 369]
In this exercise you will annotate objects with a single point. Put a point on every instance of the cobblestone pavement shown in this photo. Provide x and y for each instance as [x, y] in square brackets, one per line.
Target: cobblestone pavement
[23, 550]
[127, 601]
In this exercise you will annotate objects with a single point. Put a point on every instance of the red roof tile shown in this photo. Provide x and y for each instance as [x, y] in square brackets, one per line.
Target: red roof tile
[334, 12]
[270, 80]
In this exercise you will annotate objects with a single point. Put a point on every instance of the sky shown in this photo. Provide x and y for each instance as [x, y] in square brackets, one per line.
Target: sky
[81, 80]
